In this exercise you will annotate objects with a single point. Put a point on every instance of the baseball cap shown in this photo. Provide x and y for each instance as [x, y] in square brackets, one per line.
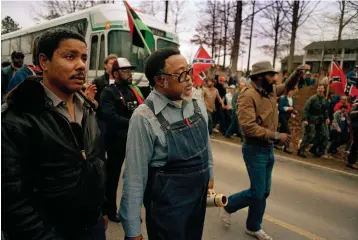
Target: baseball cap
[121, 63]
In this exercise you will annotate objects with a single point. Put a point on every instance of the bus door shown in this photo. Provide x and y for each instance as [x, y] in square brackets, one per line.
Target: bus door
[97, 54]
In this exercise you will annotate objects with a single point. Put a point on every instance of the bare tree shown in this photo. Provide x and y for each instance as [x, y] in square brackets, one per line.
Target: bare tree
[348, 14]
[150, 7]
[207, 29]
[57, 8]
[237, 36]
[297, 13]
[226, 22]
[275, 28]
[251, 33]
[178, 10]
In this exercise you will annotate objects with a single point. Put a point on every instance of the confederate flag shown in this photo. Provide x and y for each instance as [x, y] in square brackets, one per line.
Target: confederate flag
[338, 79]
[201, 63]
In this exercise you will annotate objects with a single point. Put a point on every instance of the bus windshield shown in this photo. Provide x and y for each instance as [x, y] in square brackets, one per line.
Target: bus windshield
[165, 44]
[120, 43]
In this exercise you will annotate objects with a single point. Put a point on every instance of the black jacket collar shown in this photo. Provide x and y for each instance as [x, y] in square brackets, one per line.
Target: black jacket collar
[30, 96]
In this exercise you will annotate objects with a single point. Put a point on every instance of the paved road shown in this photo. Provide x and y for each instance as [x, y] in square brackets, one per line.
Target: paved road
[306, 202]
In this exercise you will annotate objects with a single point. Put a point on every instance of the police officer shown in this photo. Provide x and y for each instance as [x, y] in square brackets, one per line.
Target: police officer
[314, 120]
[118, 101]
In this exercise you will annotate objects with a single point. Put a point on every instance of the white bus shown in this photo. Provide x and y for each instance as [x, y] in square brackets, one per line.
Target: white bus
[106, 30]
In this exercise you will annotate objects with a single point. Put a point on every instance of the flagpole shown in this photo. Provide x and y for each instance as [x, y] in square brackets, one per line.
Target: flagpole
[136, 27]
[330, 73]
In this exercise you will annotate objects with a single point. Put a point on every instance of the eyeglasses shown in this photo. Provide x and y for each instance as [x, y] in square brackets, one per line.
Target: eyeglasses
[182, 77]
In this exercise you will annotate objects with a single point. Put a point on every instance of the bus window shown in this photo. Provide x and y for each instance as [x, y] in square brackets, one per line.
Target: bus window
[101, 54]
[5, 47]
[120, 43]
[93, 57]
[26, 43]
[15, 44]
[165, 44]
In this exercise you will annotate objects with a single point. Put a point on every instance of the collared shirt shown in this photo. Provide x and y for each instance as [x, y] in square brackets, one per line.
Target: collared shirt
[147, 146]
[62, 108]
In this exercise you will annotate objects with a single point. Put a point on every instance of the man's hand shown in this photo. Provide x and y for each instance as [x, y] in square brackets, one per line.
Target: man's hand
[303, 68]
[211, 184]
[105, 221]
[328, 122]
[223, 106]
[91, 91]
[305, 123]
[285, 139]
[290, 108]
[140, 237]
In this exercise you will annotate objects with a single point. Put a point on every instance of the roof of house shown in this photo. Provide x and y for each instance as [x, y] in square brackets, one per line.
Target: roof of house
[348, 43]
[296, 59]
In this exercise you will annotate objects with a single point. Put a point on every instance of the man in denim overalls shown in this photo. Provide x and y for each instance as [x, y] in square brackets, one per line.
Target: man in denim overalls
[168, 158]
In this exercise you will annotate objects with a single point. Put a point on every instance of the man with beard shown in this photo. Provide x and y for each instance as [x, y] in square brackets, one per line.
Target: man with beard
[258, 117]
[51, 177]
[28, 70]
[118, 101]
[17, 61]
[168, 159]
[314, 120]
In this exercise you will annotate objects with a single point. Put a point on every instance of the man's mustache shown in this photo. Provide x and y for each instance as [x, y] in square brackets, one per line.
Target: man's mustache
[80, 76]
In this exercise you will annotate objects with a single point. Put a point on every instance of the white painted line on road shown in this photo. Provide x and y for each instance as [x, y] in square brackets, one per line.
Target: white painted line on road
[290, 227]
[293, 160]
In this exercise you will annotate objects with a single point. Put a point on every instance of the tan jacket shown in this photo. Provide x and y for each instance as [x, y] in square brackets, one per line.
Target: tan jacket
[258, 115]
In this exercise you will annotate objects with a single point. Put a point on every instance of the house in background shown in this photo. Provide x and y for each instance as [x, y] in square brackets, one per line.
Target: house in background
[297, 60]
[322, 51]
[317, 52]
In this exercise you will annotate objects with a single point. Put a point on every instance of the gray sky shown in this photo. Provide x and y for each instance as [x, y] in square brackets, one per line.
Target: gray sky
[315, 29]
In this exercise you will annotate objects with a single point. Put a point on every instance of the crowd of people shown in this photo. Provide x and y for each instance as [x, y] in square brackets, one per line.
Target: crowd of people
[327, 118]
[64, 142]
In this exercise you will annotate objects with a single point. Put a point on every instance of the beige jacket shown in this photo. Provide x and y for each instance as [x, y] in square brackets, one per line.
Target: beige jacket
[257, 114]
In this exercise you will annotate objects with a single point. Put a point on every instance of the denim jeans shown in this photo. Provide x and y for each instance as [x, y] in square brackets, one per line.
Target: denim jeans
[259, 164]
[210, 122]
[234, 127]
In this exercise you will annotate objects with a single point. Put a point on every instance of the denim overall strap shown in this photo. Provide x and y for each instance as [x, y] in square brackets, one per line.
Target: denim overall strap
[175, 196]
[164, 124]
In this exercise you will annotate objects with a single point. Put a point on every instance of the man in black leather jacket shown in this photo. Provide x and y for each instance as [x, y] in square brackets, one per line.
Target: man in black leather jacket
[52, 180]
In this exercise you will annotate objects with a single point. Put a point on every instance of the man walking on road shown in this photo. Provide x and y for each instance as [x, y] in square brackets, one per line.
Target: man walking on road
[258, 117]
[52, 180]
[168, 158]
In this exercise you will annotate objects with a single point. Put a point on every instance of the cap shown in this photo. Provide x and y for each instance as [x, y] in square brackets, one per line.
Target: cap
[232, 86]
[308, 72]
[121, 63]
[16, 54]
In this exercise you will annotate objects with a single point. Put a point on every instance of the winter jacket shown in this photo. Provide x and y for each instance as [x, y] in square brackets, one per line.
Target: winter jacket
[114, 110]
[283, 102]
[315, 110]
[51, 178]
[22, 74]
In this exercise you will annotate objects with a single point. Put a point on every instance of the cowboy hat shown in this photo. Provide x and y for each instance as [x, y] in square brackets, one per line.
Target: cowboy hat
[262, 67]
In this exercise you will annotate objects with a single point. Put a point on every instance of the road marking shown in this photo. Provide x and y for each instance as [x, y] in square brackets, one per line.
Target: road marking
[293, 160]
[292, 228]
